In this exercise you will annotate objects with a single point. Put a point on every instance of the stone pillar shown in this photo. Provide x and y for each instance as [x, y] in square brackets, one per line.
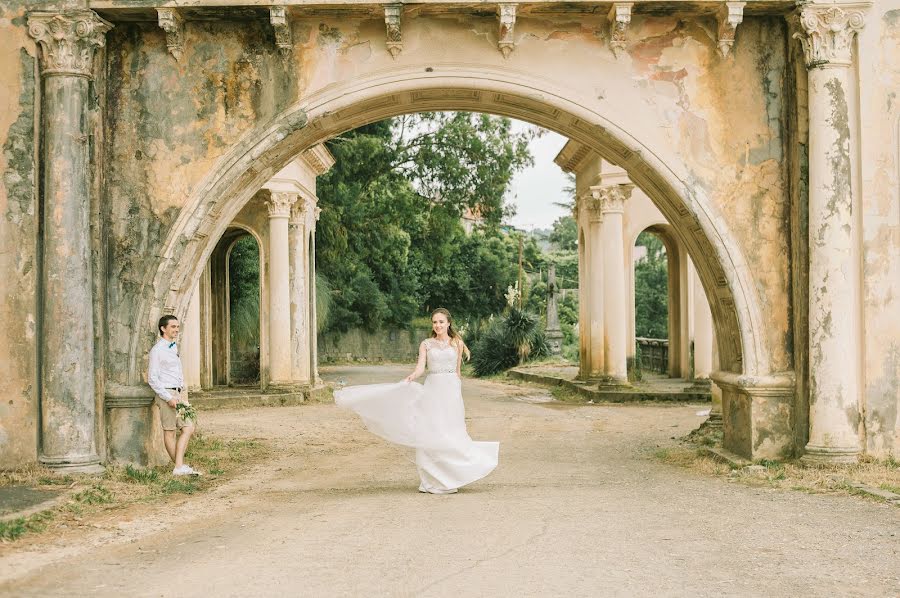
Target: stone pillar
[190, 342]
[553, 331]
[703, 333]
[584, 351]
[313, 321]
[594, 268]
[715, 411]
[279, 205]
[615, 309]
[834, 327]
[68, 402]
[300, 361]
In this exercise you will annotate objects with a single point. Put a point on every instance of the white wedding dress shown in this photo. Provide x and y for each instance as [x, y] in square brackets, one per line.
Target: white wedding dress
[429, 417]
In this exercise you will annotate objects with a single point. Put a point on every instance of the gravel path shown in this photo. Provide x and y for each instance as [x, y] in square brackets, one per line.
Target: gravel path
[577, 507]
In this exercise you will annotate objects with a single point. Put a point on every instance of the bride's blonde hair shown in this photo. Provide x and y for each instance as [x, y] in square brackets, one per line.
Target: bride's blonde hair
[455, 337]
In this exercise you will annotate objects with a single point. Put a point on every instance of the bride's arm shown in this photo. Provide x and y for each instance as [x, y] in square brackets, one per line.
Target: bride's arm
[459, 356]
[420, 366]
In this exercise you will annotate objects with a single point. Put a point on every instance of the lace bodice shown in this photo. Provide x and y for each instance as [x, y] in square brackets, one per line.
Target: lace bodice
[440, 357]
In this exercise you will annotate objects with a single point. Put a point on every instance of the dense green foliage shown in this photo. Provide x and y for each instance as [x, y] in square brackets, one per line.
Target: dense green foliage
[243, 275]
[390, 240]
[509, 341]
[651, 289]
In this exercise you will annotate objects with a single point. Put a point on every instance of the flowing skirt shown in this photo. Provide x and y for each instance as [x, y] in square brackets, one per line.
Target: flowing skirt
[431, 418]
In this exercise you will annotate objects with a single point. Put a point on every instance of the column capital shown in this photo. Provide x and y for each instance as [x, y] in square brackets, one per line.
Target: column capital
[298, 214]
[67, 40]
[828, 31]
[611, 199]
[280, 202]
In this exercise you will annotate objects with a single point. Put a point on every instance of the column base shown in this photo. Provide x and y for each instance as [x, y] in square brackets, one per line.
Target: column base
[89, 464]
[830, 455]
[610, 383]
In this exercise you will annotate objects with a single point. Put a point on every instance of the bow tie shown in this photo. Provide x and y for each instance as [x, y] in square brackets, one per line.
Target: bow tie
[172, 344]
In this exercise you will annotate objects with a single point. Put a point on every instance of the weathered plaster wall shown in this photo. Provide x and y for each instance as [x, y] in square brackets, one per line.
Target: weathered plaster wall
[18, 242]
[167, 122]
[723, 119]
[880, 219]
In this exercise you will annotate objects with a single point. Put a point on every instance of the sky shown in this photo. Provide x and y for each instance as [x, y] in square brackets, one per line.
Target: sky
[534, 189]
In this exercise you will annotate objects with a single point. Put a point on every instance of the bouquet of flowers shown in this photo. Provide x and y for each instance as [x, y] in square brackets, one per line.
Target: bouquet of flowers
[187, 412]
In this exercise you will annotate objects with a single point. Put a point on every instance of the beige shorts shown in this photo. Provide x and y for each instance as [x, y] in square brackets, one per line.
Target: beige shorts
[169, 416]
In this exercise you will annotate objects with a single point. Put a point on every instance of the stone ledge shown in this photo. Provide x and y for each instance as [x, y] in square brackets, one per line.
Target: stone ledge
[624, 394]
[724, 456]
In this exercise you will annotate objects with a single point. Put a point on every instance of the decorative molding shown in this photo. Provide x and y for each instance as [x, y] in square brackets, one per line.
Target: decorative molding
[319, 159]
[730, 15]
[298, 214]
[284, 41]
[611, 199]
[619, 19]
[392, 13]
[172, 23]
[67, 40]
[280, 202]
[828, 32]
[507, 15]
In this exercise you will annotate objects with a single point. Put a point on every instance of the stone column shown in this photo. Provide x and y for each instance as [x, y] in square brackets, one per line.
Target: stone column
[703, 333]
[190, 342]
[553, 331]
[584, 350]
[595, 280]
[68, 412]
[834, 328]
[279, 205]
[313, 321]
[615, 309]
[300, 362]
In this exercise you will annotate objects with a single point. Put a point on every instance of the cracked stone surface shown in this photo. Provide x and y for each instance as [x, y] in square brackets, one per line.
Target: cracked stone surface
[577, 507]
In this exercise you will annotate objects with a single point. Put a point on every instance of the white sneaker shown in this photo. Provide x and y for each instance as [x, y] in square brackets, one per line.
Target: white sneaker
[185, 470]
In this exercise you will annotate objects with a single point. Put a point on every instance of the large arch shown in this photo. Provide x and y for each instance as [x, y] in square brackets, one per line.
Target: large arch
[262, 151]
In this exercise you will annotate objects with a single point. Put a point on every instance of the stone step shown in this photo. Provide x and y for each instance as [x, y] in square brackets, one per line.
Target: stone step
[238, 398]
[638, 393]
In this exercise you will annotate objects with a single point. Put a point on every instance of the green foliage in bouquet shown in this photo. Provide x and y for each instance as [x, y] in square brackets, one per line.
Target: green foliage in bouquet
[509, 341]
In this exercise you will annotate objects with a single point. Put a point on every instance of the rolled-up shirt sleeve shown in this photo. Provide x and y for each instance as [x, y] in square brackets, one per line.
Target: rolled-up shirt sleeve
[153, 377]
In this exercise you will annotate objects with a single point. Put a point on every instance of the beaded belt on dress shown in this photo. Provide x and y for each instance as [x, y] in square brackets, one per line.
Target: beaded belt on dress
[443, 371]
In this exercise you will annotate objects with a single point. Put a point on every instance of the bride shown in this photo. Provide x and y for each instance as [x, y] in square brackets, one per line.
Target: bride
[429, 417]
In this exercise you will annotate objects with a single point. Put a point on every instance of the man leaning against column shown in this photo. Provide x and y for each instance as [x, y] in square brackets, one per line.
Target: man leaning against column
[166, 378]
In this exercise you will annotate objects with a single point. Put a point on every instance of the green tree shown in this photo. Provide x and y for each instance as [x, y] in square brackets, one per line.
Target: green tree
[651, 289]
[564, 234]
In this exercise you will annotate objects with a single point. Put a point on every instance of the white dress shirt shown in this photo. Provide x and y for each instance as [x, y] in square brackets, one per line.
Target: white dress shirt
[165, 369]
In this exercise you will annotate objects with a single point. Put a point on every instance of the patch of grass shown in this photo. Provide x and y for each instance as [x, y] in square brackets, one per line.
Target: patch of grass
[793, 475]
[96, 495]
[15, 528]
[141, 476]
[122, 486]
[567, 395]
[180, 485]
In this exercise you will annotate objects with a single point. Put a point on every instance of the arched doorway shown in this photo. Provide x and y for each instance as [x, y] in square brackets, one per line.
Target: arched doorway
[260, 153]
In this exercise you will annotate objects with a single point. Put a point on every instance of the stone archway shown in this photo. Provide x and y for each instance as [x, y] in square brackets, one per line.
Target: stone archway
[264, 150]
[744, 354]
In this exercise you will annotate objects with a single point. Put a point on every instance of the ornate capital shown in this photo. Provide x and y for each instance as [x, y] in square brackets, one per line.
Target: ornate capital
[828, 32]
[611, 199]
[68, 40]
[507, 15]
[283, 38]
[392, 14]
[171, 22]
[298, 214]
[280, 202]
[730, 15]
[619, 19]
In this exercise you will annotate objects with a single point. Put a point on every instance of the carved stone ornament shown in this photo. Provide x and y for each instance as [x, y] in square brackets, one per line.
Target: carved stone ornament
[392, 14]
[283, 38]
[298, 214]
[730, 15]
[828, 33]
[591, 203]
[279, 204]
[507, 15]
[171, 22]
[68, 40]
[612, 199]
[619, 19]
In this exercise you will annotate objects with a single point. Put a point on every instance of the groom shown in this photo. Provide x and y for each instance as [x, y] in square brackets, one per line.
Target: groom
[166, 378]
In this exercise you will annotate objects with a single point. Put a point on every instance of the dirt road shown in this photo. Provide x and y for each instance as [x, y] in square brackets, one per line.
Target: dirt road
[577, 507]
